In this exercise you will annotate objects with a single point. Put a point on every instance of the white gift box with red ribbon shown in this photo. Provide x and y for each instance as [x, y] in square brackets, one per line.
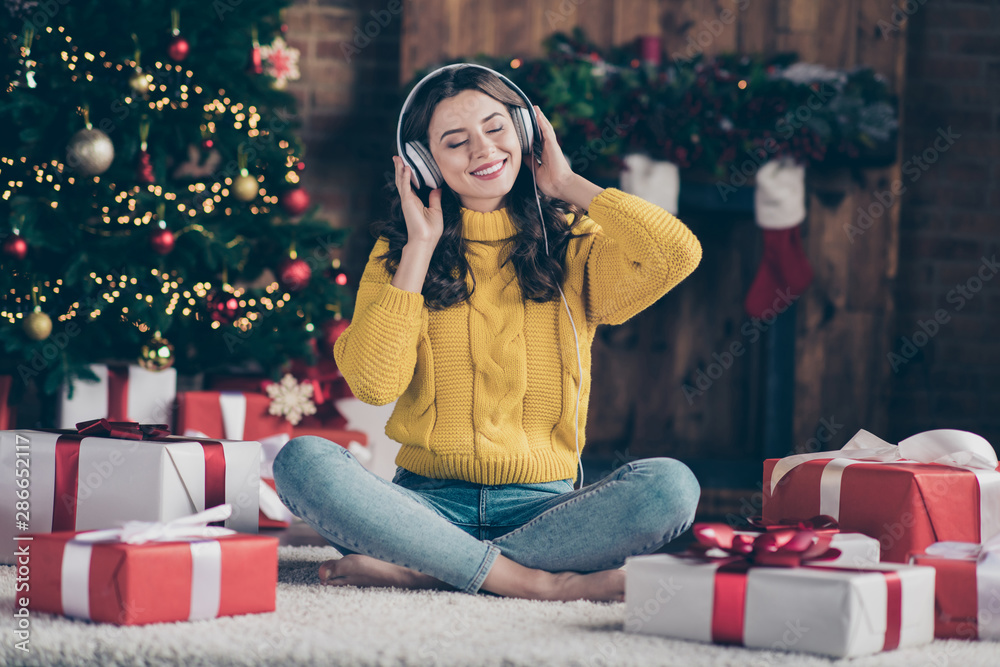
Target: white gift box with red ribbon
[839, 612]
[88, 482]
[121, 393]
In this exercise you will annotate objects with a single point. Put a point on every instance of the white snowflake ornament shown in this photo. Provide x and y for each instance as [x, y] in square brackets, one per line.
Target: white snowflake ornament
[291, 399]
[280, 61]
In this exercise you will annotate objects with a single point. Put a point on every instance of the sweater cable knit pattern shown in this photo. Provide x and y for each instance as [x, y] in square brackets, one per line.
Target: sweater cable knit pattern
[486, 389]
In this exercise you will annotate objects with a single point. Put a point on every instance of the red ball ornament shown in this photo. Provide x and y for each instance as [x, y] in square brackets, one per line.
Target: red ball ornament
[332, 330]
[15, 247]
[294, 274]
[178, 48]
[295, 201]
[162, 241]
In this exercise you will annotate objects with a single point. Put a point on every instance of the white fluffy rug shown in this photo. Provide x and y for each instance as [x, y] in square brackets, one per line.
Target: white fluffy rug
[320, 625]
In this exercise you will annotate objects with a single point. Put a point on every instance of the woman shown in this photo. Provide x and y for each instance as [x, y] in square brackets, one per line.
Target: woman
[460, 316]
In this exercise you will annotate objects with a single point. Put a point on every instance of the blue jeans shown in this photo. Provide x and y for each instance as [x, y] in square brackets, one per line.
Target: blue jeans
[454, 530]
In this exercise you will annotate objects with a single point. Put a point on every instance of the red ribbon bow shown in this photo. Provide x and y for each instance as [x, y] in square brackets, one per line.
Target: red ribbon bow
[776, 548]
[122, 430]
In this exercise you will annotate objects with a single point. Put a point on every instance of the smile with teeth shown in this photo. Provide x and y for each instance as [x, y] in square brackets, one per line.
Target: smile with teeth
[491, 170]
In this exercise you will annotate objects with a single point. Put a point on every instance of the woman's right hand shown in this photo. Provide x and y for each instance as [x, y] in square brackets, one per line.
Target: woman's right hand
[423, 224]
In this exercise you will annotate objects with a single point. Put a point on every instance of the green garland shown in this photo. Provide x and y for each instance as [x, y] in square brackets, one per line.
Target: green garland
[705, 115]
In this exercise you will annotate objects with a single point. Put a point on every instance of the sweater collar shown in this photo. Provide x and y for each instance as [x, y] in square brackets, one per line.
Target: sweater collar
[492, 226]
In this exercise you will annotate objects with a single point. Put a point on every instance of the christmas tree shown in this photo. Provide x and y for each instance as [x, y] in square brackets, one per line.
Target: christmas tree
[150, 200]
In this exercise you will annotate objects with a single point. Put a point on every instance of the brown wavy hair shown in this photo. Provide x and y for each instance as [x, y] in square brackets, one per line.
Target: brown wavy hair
[539, 275]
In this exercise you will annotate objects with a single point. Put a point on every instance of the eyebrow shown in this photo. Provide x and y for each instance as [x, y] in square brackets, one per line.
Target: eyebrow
[495, 113]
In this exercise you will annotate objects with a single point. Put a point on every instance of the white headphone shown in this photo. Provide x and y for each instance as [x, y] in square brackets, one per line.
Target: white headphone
[425, 172]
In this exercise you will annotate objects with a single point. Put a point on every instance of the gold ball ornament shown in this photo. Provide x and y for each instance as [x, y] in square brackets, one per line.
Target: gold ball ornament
[139, 81]
[90, 152]
[37, 325]
[157, 354]
[246, 188]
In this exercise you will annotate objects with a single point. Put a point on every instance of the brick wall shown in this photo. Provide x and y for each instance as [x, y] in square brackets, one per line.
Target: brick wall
[348, 100]
[947, 373]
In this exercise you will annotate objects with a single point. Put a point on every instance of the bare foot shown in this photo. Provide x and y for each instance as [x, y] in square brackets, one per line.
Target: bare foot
[603, 586]
[511, 579]
[360, 570]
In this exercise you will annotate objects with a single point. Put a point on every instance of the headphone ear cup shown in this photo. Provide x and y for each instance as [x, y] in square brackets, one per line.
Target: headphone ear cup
[425, 169]
[522, 121]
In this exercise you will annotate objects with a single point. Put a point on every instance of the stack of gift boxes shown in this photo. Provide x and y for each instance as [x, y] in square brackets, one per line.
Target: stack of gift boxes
[66, 493]
[870, 548]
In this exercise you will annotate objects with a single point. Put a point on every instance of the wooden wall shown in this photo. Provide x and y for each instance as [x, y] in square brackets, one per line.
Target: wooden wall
[637, 406]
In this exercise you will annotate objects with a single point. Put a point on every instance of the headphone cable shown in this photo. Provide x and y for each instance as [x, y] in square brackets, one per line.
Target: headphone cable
[576, 339]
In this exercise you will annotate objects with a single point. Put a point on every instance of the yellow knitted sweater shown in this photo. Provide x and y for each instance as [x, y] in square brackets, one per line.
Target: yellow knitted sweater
[487, 388]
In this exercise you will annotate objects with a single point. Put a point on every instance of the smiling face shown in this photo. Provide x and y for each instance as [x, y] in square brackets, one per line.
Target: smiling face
[472, 140]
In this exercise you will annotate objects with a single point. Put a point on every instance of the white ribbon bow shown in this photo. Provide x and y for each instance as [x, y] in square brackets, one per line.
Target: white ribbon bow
[185, 528]
[950, 447]
[206, 558]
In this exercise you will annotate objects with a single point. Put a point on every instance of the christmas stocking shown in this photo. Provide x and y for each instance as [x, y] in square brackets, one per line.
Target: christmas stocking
[779, 208]
[656, 181]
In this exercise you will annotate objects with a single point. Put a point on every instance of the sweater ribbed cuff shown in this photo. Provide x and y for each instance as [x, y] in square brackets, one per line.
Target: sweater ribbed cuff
[400, 302]
[609, 199]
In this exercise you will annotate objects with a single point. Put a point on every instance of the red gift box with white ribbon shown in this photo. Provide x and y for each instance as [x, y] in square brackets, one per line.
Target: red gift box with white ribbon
[99, 478]
[775, 591]
[936, 486]
[177, 574]
[121, 393]
[967, 594]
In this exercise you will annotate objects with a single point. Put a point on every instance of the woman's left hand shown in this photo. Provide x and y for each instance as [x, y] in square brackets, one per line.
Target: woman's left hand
[554, 173]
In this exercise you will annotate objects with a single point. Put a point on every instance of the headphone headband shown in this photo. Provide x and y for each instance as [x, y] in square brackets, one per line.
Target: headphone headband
[400, 148]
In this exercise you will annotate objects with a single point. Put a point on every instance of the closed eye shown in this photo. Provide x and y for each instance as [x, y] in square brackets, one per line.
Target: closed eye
[499, 129]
